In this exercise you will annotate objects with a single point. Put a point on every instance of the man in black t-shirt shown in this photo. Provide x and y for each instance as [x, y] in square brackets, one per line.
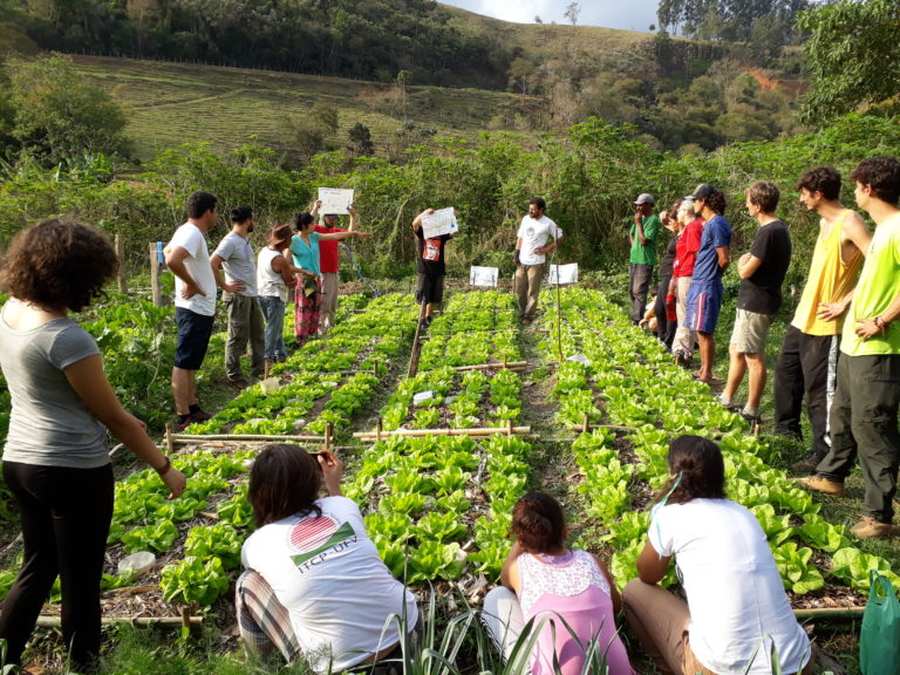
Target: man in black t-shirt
[430, 266]
[762, 272]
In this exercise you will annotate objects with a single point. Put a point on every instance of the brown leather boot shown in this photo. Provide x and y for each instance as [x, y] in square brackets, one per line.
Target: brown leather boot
[869, 528]
[824, 485]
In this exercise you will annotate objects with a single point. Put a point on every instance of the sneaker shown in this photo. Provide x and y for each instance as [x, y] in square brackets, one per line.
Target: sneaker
[821, 484]
[869, 528]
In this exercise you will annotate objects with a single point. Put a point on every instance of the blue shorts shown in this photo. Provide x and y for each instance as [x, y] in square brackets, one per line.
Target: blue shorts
[194, 331]
[703, 304]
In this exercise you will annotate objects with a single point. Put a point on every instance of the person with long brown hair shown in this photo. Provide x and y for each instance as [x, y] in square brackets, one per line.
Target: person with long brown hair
[55, 460]
[314, 585]
[736, 609]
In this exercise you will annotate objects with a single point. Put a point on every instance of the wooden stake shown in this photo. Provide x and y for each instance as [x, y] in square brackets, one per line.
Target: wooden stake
[155, 290]
[329, 431]
[509, 428]
[379, 425]
[170, 439]
[417, 347]
[586, 424]
[119, 245]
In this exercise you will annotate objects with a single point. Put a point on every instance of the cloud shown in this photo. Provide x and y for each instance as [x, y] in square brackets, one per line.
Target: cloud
[633, 15]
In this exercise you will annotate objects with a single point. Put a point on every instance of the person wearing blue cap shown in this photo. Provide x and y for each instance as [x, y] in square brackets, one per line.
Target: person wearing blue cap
[642, 240]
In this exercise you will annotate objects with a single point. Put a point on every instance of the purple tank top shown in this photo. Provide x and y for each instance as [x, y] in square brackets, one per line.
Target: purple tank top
[570, 587]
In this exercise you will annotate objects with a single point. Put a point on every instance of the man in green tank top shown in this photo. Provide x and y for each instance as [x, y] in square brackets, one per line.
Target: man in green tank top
[864, 413]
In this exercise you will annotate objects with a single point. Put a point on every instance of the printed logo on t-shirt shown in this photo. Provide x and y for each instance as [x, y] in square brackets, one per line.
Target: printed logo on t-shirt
[432, 252]
[317, 539]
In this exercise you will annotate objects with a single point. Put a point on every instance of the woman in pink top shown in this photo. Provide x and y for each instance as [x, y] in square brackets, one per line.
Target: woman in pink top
[565, 591]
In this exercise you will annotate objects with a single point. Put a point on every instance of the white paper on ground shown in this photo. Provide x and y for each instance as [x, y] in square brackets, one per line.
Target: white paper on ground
[563, 274]
[580, 358]
[422, 397]
[439, 223]
[335, 201]
[483, 277]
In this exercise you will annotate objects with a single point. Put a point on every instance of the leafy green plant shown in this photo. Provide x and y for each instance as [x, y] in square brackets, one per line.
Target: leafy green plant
[220, 540]
[194, 581]
[159, 537]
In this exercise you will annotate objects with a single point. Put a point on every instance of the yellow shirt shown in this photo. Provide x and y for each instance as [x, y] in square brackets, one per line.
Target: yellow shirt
[830, 279]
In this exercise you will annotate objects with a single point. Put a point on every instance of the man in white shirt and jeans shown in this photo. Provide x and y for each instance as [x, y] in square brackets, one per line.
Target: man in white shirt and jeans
[187, 256]
[537, 236]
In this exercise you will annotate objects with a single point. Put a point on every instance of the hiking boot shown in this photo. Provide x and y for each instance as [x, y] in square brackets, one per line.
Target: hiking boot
[869, 528]
[821, 484]
[198, 414]
[808, 463]
[183, 422]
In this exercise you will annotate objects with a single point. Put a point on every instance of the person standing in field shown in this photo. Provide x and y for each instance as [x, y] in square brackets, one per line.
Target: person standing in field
[274, 273]
[537, 236]
[810, 352]
[864, 411]
[330, 264]
[304, 252]
[762, 271]
[666, 315]
[235, 255]
[55, 460]
[705, 295]
[642, 240]
[187, 256]
[430, 266]
[682, 275]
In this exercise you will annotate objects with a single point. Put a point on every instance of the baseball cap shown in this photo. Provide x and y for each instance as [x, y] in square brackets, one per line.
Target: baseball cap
[703, 191]
[644, 198]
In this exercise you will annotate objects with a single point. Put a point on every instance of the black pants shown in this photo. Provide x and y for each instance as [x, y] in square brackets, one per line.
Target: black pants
[65, 522]
[807, 365]
[864, 420]
[638, 285]
[665, 329]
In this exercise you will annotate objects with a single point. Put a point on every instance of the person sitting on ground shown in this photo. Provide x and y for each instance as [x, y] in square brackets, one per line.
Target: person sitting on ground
[314, 585]
[762, 271]
[736, 604]
[430, 266]
[648, 321]
[273, 275]
[544, 580]
[55, 460]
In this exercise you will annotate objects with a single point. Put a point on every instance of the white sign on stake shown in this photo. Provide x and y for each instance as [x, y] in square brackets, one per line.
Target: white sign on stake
[563, 274]
[483, 277]
[335, 201]
[439, 223]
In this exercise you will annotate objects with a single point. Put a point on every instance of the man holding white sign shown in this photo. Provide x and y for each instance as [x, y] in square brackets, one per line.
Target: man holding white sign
[330, 262]
[335, 201]
[537, 236]
[430, 266]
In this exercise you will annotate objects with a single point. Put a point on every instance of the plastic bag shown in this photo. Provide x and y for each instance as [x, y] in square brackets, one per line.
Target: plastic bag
[879, 640]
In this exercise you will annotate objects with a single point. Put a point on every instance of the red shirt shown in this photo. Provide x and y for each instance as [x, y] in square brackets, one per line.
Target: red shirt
[329, 257]
[686, 248]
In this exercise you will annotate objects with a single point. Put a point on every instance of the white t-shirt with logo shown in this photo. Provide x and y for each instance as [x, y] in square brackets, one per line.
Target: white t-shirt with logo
[734, 591]
[328, 575]
[191, 239]
[534, 234]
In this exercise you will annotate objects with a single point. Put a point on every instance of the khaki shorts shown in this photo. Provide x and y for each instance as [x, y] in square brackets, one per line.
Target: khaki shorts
[750, 332]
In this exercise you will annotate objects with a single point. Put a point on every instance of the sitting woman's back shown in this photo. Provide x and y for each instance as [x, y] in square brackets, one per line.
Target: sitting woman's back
[570, 592]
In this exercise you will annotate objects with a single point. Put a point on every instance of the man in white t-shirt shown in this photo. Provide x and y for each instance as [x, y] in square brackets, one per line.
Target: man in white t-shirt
[187, 256]
[537, 236]
[235, 256]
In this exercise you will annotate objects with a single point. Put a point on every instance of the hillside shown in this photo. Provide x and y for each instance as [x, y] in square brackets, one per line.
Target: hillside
[170, 103]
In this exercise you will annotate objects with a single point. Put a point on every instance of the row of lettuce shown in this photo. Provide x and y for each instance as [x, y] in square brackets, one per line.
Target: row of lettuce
[627, 385]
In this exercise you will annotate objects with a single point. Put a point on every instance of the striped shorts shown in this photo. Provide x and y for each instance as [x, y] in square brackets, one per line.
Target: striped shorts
[703, 305]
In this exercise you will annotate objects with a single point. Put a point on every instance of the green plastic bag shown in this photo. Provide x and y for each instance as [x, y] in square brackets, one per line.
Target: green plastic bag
[879, 640]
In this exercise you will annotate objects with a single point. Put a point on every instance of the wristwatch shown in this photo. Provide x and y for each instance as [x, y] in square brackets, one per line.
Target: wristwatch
[164, 469]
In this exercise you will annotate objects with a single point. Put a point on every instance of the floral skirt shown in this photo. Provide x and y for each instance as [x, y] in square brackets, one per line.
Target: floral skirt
[306, 312]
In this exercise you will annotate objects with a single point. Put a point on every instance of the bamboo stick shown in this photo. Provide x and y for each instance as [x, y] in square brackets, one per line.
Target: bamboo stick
[512, 365]
[183, 439]
[830, 613]
[419, 433]
[56, 621]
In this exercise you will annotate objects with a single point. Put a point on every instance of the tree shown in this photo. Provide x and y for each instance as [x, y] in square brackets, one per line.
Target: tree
[573, 11]
[304, 135]
[361, 140]
[59, 114]
[852, 53]
[326, 116]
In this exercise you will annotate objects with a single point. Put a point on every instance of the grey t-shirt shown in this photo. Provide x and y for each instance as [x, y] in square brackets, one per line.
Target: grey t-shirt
[238, 261]
[49, 424]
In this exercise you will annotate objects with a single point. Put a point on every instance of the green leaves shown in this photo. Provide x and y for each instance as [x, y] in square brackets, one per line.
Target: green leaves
[853, 566]
[219, 541]
[159, 537]
[194, 581]
[796, 572]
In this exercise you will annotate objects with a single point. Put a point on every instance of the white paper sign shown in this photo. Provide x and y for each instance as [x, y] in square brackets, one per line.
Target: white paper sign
[422, 397]
[563, 274]
[439, 223]
[483, 277]
[335, 201]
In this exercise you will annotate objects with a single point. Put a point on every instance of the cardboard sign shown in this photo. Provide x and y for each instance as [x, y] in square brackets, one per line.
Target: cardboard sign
[483, 277]
[439, 223]
[335, 202]
[563, 274]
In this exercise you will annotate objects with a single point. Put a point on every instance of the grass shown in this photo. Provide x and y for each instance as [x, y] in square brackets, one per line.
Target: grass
[170, 103]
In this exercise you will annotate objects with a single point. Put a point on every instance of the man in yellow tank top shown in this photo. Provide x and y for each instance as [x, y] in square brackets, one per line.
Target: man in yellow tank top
[807, 364]
[864, 414]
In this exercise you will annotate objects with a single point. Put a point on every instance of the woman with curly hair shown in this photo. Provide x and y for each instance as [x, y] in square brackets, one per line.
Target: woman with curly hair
[55, 461]
[736, 609]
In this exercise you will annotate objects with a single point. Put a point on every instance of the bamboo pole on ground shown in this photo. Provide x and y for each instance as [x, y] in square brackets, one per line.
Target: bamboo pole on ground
[155, 289]
[121, 278]
[830, 613]
[420, 433]
[417, 346]
[184, 439]
[170, 621]
[512, 365]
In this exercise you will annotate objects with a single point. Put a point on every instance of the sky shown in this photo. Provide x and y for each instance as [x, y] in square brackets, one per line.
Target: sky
[630, 14]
